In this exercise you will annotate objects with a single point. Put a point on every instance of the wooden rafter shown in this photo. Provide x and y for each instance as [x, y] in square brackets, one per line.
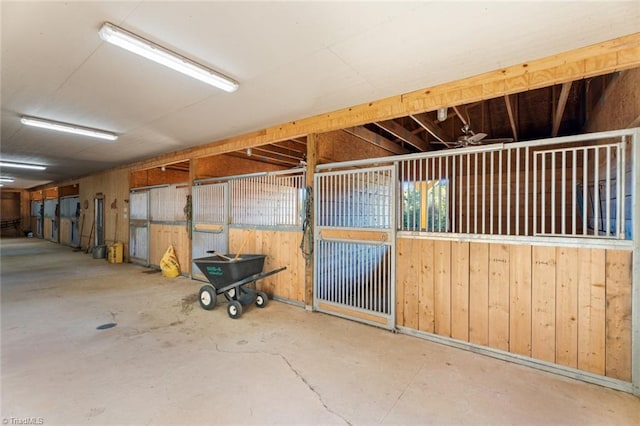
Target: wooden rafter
[562, 103]
[376, 139]
[401, 133]
[512, 121]
[432, 128]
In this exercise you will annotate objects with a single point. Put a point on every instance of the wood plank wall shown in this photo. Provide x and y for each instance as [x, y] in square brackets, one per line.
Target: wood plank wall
[568, 306]
[282, 249]
[161, 236]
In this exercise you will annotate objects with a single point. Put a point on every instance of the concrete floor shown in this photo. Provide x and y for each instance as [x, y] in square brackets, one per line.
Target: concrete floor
[170, 362]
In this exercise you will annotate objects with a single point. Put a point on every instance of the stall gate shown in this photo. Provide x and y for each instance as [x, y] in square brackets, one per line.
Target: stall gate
[37, 210]
[69, 213]
[210, 213]
[139, 227]
[51, 219]
[354, 272]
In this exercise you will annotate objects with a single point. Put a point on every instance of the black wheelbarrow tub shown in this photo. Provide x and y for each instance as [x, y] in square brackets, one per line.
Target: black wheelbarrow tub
[221, 272]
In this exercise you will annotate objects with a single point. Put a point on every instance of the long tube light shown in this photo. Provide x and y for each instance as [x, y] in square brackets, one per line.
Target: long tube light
[22, 166]
[6, 179]
[145, 48]
[68, 128]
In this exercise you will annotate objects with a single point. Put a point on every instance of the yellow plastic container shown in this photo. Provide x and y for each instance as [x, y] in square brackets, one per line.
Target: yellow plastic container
[115, 253]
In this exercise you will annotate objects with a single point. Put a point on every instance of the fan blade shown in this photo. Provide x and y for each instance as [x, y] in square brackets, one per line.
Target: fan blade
[476, 138]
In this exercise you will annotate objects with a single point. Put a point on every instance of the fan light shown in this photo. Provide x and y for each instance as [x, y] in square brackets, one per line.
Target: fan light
[68, 128]
[145, 48]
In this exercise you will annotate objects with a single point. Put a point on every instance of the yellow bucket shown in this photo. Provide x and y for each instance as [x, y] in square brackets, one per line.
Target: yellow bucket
[115, 253]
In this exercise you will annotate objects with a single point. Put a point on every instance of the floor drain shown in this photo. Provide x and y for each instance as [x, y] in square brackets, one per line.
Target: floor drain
[105, 326]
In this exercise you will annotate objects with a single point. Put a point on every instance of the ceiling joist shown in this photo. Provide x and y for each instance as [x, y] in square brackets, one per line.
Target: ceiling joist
[562, 103]
[403, 134]
[512, 120]
[433, 129]
[376, 139]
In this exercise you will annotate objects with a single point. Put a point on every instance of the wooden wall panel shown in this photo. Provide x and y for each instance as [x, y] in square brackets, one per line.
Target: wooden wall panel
[591, 310]
[479, 293]
[543, 303]
[567, 306]
[411, 311]
[161, 237]
[499, 306]
[65, 232]
[618, 315]
[426, 291]
[282, 249]
[442, 287]
[405, 257]
[460, 290]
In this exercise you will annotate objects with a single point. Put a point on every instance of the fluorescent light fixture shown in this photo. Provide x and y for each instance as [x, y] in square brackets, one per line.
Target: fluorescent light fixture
[22, 166]
[6, 179]
[69, 128]
[140, 46]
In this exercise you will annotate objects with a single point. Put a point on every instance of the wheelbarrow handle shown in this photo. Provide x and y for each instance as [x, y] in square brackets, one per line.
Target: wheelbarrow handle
[222, 256]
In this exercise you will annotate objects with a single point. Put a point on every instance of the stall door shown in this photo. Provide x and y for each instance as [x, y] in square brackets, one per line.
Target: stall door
[139, 227]
[210, 222]
[51, 219]
[69, 212]
[36, 217]
[354, 271]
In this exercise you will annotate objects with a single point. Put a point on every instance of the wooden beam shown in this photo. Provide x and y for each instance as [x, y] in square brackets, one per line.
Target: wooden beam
[376, 139]
[562, 103]
[433, 129]
[598, 59]
[264, 159]
[512, 121]
[401, 133]
[277, 152]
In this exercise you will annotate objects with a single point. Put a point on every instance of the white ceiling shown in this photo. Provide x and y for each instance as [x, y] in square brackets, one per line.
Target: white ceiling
[292, 59]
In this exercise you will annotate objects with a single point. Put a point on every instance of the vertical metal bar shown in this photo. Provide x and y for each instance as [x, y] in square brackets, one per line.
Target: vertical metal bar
[422, 180]
[574, 189]
[563, 199]
[622, 197]
[585, 190]
[491, 200]
[552, 176]
[518, 156]
[452, 192]
[460, 196]
[543, 186]
[500, 193]
[447, 195]
[635, 287]
[475, 193]
[484, 192]
[535, 193]
[526, 191]
[468, 193]
[437, 210]
[508, 192]
[596, 192]
[402, 198]
[608, 193]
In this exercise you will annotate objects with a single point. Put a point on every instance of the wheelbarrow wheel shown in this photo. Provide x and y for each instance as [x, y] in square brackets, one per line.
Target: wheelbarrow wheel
[234, 309]
[261, 299]
[207, 297]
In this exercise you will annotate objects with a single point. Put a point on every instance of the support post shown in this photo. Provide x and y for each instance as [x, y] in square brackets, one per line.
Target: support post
[312, 160]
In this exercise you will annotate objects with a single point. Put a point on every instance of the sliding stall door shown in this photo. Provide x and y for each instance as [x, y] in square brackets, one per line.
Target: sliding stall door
[210, 222]
[354, 273]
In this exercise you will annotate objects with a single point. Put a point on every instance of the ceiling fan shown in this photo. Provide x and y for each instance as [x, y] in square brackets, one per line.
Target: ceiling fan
[471, 138]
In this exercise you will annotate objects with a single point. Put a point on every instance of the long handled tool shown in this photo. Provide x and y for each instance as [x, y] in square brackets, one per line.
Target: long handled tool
[93, 224]
[244, 242]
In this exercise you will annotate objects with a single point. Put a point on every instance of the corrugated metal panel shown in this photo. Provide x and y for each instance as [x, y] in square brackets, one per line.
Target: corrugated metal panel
[167, 204]
[208, 204]
[35, 208]
[69, 206]
[139, 243]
